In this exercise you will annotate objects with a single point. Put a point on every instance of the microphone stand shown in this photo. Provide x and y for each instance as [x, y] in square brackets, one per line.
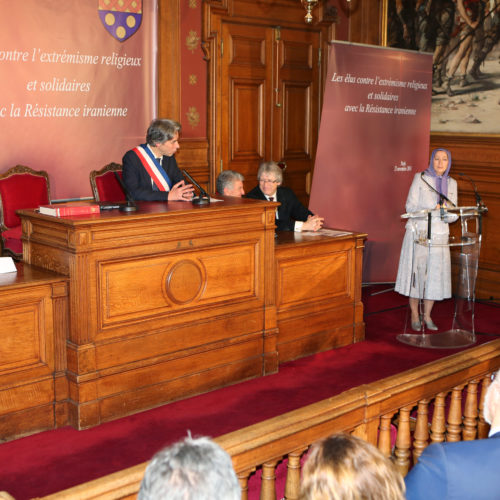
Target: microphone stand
[130, 206]
[203, 198]
[481, 207]
[479, 201]
[441, 195]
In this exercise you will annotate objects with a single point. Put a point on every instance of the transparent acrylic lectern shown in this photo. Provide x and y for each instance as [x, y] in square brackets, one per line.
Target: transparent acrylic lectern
[463, 244]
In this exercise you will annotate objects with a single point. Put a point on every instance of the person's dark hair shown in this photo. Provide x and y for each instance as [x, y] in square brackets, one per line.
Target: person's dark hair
[270, 167]
[161, 130]
[226, 179]
[191, 469]
[344, 467]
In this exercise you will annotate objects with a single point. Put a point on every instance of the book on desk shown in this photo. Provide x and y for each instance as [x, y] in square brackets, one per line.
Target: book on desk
[69, 209]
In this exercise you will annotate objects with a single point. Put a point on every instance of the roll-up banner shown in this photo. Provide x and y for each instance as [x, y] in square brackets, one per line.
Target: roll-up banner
[78, 85]
[374, 137]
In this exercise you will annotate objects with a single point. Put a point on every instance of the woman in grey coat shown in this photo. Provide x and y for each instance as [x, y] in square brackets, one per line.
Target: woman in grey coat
[425, 272]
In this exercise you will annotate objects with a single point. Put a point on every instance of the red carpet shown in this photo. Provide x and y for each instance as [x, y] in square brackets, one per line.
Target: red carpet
[54, 460]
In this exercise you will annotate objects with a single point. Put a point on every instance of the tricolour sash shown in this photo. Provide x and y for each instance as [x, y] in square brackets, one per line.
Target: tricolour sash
[153, 168]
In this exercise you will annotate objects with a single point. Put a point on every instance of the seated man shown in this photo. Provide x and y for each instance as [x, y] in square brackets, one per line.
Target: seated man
[230, 183]
[291, 215]
[465, 469]
[192, 469]
[150, 171]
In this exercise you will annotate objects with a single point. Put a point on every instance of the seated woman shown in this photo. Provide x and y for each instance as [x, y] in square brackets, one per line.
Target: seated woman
[291, 214]
[424, 274]
[344, 467]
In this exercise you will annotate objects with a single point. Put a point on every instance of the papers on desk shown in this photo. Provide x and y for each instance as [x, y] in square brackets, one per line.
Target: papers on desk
[328, 232]
[7, 265]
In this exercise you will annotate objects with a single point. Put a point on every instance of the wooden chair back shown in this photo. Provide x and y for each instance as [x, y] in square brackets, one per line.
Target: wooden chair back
[105, 186]
[21, 187]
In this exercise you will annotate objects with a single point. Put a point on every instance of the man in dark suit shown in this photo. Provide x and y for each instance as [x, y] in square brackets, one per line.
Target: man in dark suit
[150, 171]
[291, 214]
[230, 183]
[463, 470]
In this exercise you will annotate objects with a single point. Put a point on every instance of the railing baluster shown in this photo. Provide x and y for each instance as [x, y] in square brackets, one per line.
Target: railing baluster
[403, 441]
[470, 412]
[268, 481]
[438, 422]
[421, 434]
[243, 480]
[292, 486]
[483, 427]
[384, 437]
[455, 415]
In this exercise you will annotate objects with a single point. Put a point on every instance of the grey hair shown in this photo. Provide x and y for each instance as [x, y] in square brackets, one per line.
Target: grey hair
[492, 399]
[161, 130]
[226, 179]
[270, 167]
[191, 469]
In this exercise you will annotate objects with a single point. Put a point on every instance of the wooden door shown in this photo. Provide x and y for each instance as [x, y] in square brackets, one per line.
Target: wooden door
[297, 105]
[246, 87]
[270, 95]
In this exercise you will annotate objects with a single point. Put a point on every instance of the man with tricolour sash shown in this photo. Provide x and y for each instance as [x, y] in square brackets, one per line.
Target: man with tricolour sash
[150, 171]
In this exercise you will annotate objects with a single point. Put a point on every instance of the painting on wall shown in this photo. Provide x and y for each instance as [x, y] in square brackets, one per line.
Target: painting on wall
[463, 36]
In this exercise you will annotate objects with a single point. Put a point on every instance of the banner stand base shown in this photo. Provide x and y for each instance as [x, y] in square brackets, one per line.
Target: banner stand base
[452, 339]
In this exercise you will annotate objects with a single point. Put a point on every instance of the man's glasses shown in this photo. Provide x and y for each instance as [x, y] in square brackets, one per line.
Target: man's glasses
[268, 181]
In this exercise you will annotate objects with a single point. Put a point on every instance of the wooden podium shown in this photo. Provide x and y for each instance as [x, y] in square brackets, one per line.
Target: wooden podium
[175, 300]
[164, 303]
[318, 291]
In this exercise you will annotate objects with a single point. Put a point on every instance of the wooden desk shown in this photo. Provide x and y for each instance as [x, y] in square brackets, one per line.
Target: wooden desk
[172, 301]
[33, 388]
[166, 302]
[318, 292]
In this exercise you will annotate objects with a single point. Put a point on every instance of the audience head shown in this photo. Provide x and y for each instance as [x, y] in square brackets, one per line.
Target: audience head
[161, 130]
[192, 469]
[492, 401]
[230, 183]
[270, 176]
[343, 467]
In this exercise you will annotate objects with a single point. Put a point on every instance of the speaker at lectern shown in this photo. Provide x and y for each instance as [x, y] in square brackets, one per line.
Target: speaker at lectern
[464, 245]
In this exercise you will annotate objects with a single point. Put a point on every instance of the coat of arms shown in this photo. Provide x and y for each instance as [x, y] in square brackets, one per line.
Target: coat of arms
[121, 18]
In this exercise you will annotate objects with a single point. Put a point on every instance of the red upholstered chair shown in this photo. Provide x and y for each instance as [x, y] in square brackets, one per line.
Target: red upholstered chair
[20, 187]
[104, 185]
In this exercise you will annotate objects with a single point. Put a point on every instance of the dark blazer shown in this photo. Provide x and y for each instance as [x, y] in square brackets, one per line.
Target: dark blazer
[465, 470]
[290, 209]
[138, 181]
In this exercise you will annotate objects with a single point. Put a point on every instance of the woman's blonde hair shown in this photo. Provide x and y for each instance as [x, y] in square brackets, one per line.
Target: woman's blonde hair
[344, 467]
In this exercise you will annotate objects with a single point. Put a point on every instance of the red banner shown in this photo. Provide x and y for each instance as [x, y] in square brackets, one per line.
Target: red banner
[374, 137]
[78, 86]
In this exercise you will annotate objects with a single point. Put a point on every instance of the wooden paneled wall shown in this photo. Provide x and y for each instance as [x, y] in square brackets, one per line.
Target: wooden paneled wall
[359, 21]
[478, 158]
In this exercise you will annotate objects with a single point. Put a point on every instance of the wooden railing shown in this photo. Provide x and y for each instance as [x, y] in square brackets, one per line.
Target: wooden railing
[438, 401]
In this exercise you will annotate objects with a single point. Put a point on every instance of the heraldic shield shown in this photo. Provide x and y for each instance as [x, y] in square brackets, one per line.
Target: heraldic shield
[121, 18]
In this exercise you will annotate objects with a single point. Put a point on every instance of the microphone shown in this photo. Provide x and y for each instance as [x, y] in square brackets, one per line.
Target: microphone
[441, 206]
[130, 206]
[479, 201]
[203, 198]
[441, 195]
